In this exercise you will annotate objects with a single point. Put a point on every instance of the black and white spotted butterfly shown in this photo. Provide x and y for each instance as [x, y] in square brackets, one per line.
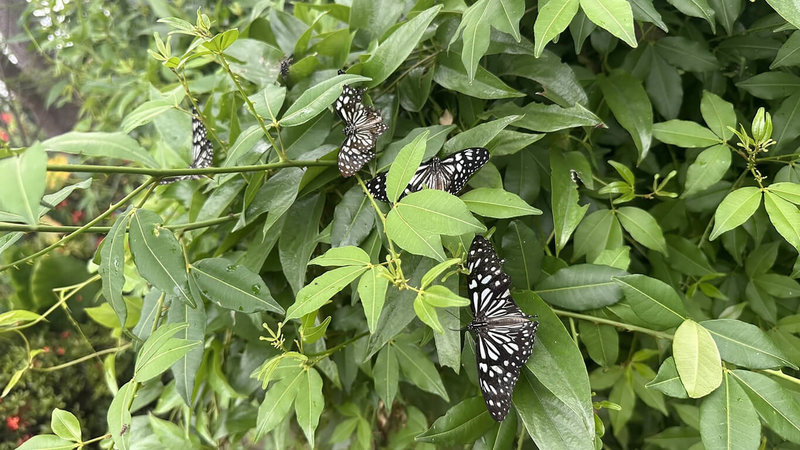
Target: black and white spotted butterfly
[504, 334]
[449, 174]
[202, 151]
[362, 127]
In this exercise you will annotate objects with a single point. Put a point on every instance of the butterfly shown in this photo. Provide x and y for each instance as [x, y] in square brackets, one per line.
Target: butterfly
[449, 174]
[504, 334]
[285, 64]
[362, 127]
[202, 151]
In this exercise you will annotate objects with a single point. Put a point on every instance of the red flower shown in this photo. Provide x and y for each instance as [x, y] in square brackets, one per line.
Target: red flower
[77, 216]
[3, 135]
[64, 334]
[60, 351]
[5, 117]
[46, 349]
[12, 423]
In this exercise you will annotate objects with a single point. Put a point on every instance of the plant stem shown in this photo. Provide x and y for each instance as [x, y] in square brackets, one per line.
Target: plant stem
[4, 226]
[780, 374]
[172, 172]
[629, 327]
[334, 349]
[80, 230]
[83, 358]
[99, 438]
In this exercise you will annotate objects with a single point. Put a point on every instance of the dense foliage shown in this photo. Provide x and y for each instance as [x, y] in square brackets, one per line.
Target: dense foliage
[642, 190]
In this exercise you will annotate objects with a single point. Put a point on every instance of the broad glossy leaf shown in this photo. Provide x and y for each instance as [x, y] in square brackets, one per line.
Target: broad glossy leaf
[497, 203]
[309, 403]
[268, 102]
[745, 344]
[437, 212]
[185, 370]
[667, 381]
[159, 255]
[395, 49]
[644, 11]
[427, 314]
[441, 297]
[553, 18]
[278, 402]
[665, 87]
[316, 98]
[788, 10]
[118, 416]
[412, 239]
[642, 227]
[112, 265]
[233, 286]
[478, 136]
[686, 54]
[474, 32]
[437, 270]
[775, 405]
[547, 118]
[299, 238]
[451, 74]
[321, 289]
[567, 212]
[24, 186]
[352, 219]
[146, 113]
[771, 85]
[405, 166]
[684, 133]
[784, 217]
[601, 341]
[628, 100]
[789, 53]
[160, 351]
[697, 359]
[556, 411]
[65, 425]
[728, 419]
[418, 368]
[558, 79]
[523, 254]
[101, 144]
[615, 16]
[47, 442]
[708, 169]
[372, 290]
[696, 8]
[653, 300]
[735, 209]
[582, 287]
[786, 190]
[718, 114]
[726, 12]
[463, 423]
[598, 231]
[342, 256]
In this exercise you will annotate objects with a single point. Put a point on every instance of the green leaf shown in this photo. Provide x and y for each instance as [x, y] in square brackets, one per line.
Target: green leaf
[784, 217]
[418, 368]
[17, 317]
[598, 231]
[547, 118]
[697, 359]
[412, 239]
[405, 166]
[474, 31]
[696, 8]
[745, 344]
[786, 190]
[65, 425]
[431, 275]
[451, 74]
[478, 136]
[642, 227]
[118, 416]
[615, 16]
[710, 166]
[652, 300]
[558, 79]
[687, 54]
[441, 297]
[385, 374]
[268, 102]
[427, 314]
[100, 144]
[644, 11]
[581, 287]
[684, 133]
[47, 442]
[278, 401]
[437, 212]
[789, 53]
[185, 370]
[309, 403]
[553, 18]
[147, 112]
[352, 219]
[567, 213]
[299, 238]
[342, 256]
[668, 381]
[601, 341]
[112, 265]
[159, 255]
[771, 85]
[788, 10]
[628, 100]
[718, 114]
[21, 192]
[776, 406]
[463, 423]
[390, 53]
[321, 289]
[372, 290]
[315, 99]
[665, 87]
[523, 253]
[735, 209]
[538, 394]
[160, 351]
[497, 203]
[728, 419]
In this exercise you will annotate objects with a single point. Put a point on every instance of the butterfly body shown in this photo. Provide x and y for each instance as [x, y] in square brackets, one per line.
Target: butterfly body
[449, 174]
[362, 128]
[504, 333]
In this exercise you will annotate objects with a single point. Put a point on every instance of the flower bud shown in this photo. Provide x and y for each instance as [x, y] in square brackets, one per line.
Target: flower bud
[762, 126]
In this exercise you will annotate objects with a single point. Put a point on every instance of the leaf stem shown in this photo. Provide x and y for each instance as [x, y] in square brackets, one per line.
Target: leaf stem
[83, 358]
[172, 172]
[336, 348]
[5, 226]
[629, 327]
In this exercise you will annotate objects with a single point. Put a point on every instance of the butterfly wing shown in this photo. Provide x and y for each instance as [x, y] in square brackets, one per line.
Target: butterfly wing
[460, 166]
[355, 152]
[348, 104]
[202, 150]
[504, 340]
[377, 187]
[363, 126]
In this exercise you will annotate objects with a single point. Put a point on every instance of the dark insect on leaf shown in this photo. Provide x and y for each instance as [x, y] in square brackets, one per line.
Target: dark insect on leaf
[202, 151]
[362, 127]
[504, 334]
[286, 63]
[449, 174]
[575, 176]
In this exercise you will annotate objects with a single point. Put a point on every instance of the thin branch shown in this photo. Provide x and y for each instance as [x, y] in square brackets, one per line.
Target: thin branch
[172, 172]
[5, 226]
[83, 358]
[627, 326]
